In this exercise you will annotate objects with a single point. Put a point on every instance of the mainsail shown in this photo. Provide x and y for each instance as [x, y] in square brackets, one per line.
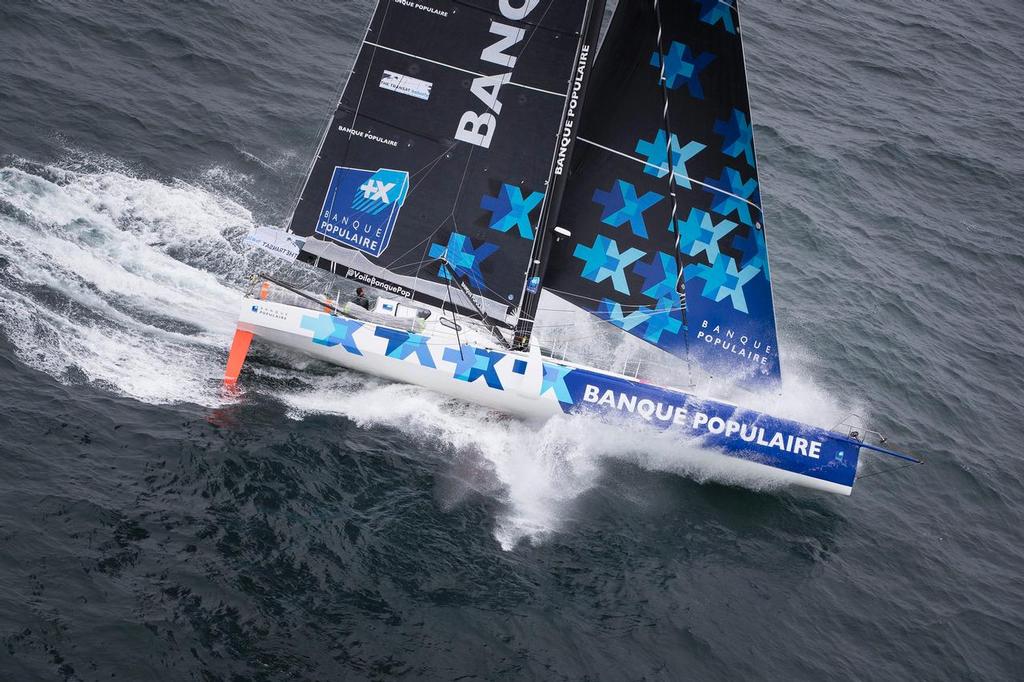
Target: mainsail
[437, 160]
[669, 95]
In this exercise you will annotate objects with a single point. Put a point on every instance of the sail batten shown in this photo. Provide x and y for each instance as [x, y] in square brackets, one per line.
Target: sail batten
[678, 176]
[459, 68]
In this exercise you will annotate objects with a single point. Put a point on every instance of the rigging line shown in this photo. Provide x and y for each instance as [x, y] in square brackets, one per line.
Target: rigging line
[455, 202]
[437, 227]
[556, 326]
[588, 298]
[637, 307]
[425, 253]
[416, 246]
[640, 309]
[458, 194]
[586, 337]
[429, 167]
[459, 68]
[483, 286]
[480, 293]
[668, 154]
[398, 269]
[462, 182]
[455, 321]
[326, 130]
[889, 470]
[600, 316]
[488, 322]
[753, 145]
[497, 295]
[534, 28]
[373, 56]
[678, 175]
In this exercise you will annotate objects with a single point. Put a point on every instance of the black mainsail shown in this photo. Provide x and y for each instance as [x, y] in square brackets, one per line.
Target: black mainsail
[437, 161]
[664, 178]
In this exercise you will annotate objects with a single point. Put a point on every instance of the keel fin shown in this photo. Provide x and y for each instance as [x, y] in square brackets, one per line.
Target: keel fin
[236, 358]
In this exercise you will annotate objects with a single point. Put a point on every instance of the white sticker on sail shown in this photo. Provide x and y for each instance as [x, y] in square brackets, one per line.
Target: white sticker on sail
[278, 242]
[406, 85]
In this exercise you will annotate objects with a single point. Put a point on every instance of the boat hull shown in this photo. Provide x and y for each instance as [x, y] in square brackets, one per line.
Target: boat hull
[530, 386]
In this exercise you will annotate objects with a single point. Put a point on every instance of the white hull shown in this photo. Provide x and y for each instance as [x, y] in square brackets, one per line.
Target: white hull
[529, 386]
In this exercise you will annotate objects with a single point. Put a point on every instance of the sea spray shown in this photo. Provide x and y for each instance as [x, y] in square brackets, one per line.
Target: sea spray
[540, 470]
[120, 278]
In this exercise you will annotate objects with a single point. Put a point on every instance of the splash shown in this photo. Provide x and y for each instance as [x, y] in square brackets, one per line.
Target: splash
[131, 283]
[538, 470]
[127, 281]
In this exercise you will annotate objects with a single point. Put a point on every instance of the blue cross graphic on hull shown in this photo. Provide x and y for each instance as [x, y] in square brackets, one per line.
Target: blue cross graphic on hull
[472, 363]
[330, 331]
[403, 344]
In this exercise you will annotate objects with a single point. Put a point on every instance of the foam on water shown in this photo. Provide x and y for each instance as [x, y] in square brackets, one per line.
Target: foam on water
[540, 469]
[124, 279]
[132, 283]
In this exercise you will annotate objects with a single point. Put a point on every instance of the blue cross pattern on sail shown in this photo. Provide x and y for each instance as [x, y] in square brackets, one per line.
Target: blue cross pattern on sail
[715, 11]
[683, 67]
[622, 205]
[361, 207]
[510, 209]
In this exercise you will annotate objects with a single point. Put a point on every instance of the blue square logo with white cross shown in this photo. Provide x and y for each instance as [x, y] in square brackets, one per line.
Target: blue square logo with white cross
[361, 207]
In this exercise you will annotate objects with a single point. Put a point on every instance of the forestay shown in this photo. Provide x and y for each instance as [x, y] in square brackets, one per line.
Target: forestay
[442, 146]
[622, 259]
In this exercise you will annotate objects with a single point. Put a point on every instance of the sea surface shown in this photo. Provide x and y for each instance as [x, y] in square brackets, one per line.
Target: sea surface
[327, 526]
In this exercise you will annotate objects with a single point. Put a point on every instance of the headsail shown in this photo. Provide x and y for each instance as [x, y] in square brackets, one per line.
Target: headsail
[442, 146]
[621, 260]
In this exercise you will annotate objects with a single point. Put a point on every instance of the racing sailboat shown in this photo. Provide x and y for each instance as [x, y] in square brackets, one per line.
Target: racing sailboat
[481, 154]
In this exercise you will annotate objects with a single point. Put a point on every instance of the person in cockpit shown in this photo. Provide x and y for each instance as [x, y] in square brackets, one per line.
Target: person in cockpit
[360, 298]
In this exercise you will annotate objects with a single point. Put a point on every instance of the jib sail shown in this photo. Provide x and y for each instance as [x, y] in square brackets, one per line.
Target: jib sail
[442, 146]
[668, 114]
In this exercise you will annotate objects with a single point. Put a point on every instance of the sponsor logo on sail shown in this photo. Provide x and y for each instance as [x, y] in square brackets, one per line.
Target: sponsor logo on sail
[367, 136]
[361, 207]
[406, 85]
[376, 283]
[423, 8]
[479, 128]
[281, 244]
[566, 139]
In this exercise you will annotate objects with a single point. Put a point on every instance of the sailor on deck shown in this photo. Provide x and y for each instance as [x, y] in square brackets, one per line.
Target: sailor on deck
[361, 299]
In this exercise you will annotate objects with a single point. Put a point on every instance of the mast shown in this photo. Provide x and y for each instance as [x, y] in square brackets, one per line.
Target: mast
[585, 55]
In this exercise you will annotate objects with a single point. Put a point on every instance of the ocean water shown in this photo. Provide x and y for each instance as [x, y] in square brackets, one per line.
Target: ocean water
[325, 525]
